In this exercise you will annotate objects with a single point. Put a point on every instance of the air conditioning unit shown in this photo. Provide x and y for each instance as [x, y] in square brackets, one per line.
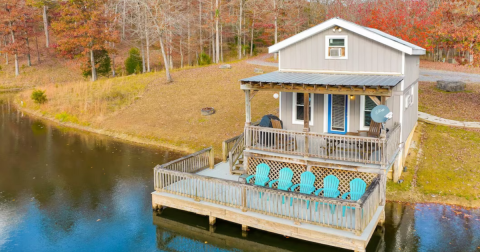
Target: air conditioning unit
[335, 52]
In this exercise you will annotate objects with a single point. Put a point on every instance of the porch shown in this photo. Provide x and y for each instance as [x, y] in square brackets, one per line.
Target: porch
[190, 184]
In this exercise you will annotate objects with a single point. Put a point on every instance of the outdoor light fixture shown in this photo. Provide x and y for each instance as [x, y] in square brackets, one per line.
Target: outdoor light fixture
[337, 29]
[352, 97]
[275, 96]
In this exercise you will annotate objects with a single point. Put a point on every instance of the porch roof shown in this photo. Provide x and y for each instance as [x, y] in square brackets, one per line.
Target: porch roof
[325, 79]
[323, 83]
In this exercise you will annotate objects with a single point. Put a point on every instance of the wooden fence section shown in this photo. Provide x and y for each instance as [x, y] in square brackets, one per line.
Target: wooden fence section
[192, 163]
[367, 150]
[329, 212]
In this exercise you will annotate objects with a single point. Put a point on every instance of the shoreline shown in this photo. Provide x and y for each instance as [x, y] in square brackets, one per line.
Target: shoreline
[117, 136]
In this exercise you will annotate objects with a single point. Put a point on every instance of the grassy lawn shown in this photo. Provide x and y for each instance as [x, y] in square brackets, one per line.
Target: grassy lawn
[148, 108]
[445, 167]
[461, 106]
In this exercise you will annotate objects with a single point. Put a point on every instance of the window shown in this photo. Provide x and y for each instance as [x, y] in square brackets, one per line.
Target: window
[298, 108]
[409, 98]
[336, 47]
[366, 106]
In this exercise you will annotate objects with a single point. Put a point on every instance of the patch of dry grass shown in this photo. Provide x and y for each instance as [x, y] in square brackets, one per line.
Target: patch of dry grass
[88, 103]
[50, 71]
[461, 106]
[449, 67]
[171, 112]
[146, 107]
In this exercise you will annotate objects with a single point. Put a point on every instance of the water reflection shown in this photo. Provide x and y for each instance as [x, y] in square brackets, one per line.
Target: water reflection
[66, 190]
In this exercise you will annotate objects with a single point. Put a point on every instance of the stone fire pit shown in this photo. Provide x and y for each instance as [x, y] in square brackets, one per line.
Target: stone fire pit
[208, 111]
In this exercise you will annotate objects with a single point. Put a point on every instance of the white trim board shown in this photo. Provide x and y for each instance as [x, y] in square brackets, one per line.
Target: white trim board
[339, 72]
[386, 40]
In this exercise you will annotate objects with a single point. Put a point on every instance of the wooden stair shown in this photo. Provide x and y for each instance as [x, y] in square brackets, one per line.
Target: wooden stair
[238, 167]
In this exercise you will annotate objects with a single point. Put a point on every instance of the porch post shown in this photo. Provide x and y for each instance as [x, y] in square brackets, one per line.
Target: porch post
[248, 111]
[306, 121]
[248, 119]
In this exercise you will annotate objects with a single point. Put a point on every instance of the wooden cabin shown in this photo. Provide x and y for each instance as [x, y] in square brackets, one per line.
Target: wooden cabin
[330, 78]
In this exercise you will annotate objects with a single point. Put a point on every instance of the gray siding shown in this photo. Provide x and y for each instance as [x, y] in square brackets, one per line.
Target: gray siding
[364, 55]
[318, 123]
[286, 113]
[412, 70]
[410, 115]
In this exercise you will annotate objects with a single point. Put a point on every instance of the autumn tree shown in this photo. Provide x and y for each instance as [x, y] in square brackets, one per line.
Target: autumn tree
[16, 19]
[83, 27]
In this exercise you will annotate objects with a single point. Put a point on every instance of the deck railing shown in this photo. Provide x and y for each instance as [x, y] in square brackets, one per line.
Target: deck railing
[336, 213]
[368, 150]
[236, 151]
[192, 163]
[228, 144]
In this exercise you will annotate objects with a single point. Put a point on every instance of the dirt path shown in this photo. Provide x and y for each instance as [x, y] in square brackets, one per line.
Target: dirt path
[428, 75]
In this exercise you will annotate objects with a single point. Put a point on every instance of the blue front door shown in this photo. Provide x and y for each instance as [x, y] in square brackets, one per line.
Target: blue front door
[337, 114]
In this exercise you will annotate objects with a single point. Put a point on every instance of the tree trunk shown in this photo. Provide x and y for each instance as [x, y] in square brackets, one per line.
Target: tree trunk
[239, 37]
[92, 62]
[143, 59]
[148, 51]
[165, 61]
[124, 16]
[244, 34]
[181, 54]
[275, 24]
[221, 42]
[200, 25]
[38, 51]
[17, 71]
[45, 26]
[217, 34]
[251, 40]
[29, 60]
[189, 60]
[114, 73]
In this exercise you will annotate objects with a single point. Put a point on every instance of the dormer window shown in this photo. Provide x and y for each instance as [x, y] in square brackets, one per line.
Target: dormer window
[336, 47]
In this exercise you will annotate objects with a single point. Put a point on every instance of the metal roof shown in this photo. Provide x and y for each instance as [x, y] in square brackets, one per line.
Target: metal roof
[326, 79]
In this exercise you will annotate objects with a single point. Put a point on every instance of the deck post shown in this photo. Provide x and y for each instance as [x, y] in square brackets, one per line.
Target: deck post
[358, 220]
[244, 199]
[212, 220]
[306, 121]
[383, 187]
[211, 159]
[224, 151]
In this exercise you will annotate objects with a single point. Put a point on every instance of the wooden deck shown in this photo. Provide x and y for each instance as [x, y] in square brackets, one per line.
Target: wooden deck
[309, 232]
[218, 194]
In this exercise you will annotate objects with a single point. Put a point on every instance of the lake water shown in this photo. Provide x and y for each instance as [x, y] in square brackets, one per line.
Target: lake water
[65, 190]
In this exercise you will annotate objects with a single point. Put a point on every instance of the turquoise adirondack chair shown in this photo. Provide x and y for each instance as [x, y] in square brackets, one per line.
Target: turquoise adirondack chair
[357, 189]
[261, 176]
[330, 190]
[284, 181]
[307, 179]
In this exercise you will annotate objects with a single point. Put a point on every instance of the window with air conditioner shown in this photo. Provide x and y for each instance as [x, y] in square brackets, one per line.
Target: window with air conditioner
[336, 47]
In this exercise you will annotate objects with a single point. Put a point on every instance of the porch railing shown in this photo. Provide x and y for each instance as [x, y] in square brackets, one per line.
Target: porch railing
[336, 213]
[236, 151]
[228, 144]
[368, 150]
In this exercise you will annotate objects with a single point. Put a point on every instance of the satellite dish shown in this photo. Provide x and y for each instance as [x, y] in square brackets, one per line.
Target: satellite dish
[381, 114]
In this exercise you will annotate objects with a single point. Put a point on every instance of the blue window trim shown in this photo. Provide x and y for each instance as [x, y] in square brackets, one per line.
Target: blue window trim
[330, 116]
